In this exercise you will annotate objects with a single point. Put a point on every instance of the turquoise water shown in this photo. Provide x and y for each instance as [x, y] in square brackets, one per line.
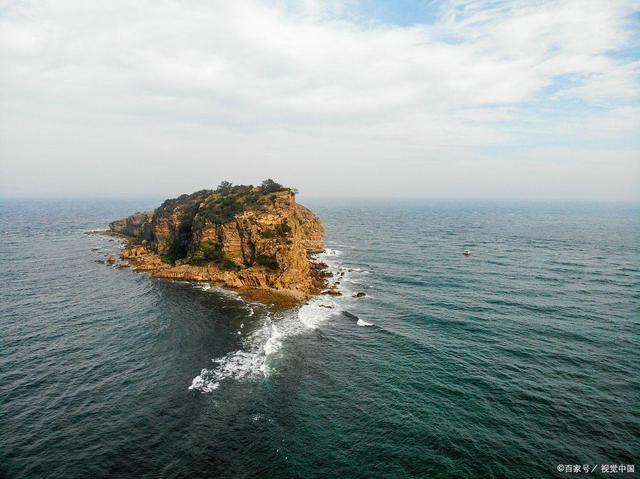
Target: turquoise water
[523, 356]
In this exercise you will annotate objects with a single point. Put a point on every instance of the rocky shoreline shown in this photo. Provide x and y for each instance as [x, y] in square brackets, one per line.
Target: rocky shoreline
[265, 250]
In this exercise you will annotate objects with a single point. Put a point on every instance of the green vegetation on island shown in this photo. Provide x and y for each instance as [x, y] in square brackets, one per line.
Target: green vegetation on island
[196, 211]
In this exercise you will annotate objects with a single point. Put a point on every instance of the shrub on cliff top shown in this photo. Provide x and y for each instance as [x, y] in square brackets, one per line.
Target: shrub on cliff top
[228, 200]
[270, 186]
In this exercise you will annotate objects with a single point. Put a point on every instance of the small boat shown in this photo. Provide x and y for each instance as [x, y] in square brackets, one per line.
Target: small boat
[467, 252]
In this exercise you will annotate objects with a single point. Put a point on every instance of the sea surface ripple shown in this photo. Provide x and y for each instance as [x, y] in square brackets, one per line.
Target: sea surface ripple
[505, 363]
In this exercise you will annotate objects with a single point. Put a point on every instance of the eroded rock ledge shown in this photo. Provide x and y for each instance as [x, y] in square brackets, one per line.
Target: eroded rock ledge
[242, 237]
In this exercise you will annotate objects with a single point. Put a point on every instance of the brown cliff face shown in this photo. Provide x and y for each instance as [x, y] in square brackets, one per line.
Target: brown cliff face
[243, 238]
[134, 225]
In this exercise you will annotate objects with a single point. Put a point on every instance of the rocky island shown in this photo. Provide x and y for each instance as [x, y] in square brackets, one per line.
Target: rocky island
[254, 239]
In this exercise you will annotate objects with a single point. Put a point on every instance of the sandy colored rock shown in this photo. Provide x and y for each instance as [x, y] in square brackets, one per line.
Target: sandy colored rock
[268, 245]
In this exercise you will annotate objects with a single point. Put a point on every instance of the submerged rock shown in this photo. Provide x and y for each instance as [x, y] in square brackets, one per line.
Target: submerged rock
[359, 294]
[332, 292]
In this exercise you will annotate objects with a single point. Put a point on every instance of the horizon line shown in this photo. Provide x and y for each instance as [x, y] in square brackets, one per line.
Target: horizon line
[56, 196]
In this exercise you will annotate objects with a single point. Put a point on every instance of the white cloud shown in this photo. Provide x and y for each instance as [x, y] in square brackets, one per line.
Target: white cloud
[150, 86]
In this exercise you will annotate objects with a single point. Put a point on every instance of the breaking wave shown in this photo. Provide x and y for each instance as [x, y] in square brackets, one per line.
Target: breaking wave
[260, 347]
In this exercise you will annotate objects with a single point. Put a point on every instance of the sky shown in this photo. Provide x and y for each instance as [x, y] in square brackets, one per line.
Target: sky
[406, 98]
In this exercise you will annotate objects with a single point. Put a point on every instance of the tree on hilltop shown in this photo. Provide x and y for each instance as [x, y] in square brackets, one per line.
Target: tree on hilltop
[270, 186]
[224, 187]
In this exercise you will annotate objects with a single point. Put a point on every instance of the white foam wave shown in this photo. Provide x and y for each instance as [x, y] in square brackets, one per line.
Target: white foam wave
[361, 271]
[203, 382]
[263, 344]
[235, 365]
[363, 323]
[318, 310]
[273, 345]
[274, 342]
[245, 363]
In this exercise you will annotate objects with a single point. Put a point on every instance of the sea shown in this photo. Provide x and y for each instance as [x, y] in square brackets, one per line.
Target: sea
[520, 360]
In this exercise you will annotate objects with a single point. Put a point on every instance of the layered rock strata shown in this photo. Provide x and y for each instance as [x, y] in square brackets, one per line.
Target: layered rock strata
[243, 238]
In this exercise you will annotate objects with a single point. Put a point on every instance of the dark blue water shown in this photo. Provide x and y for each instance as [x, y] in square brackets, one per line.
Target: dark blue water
[523, 356]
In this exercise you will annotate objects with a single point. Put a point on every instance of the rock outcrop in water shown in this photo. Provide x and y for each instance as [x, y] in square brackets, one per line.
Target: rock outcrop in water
[236, 236]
